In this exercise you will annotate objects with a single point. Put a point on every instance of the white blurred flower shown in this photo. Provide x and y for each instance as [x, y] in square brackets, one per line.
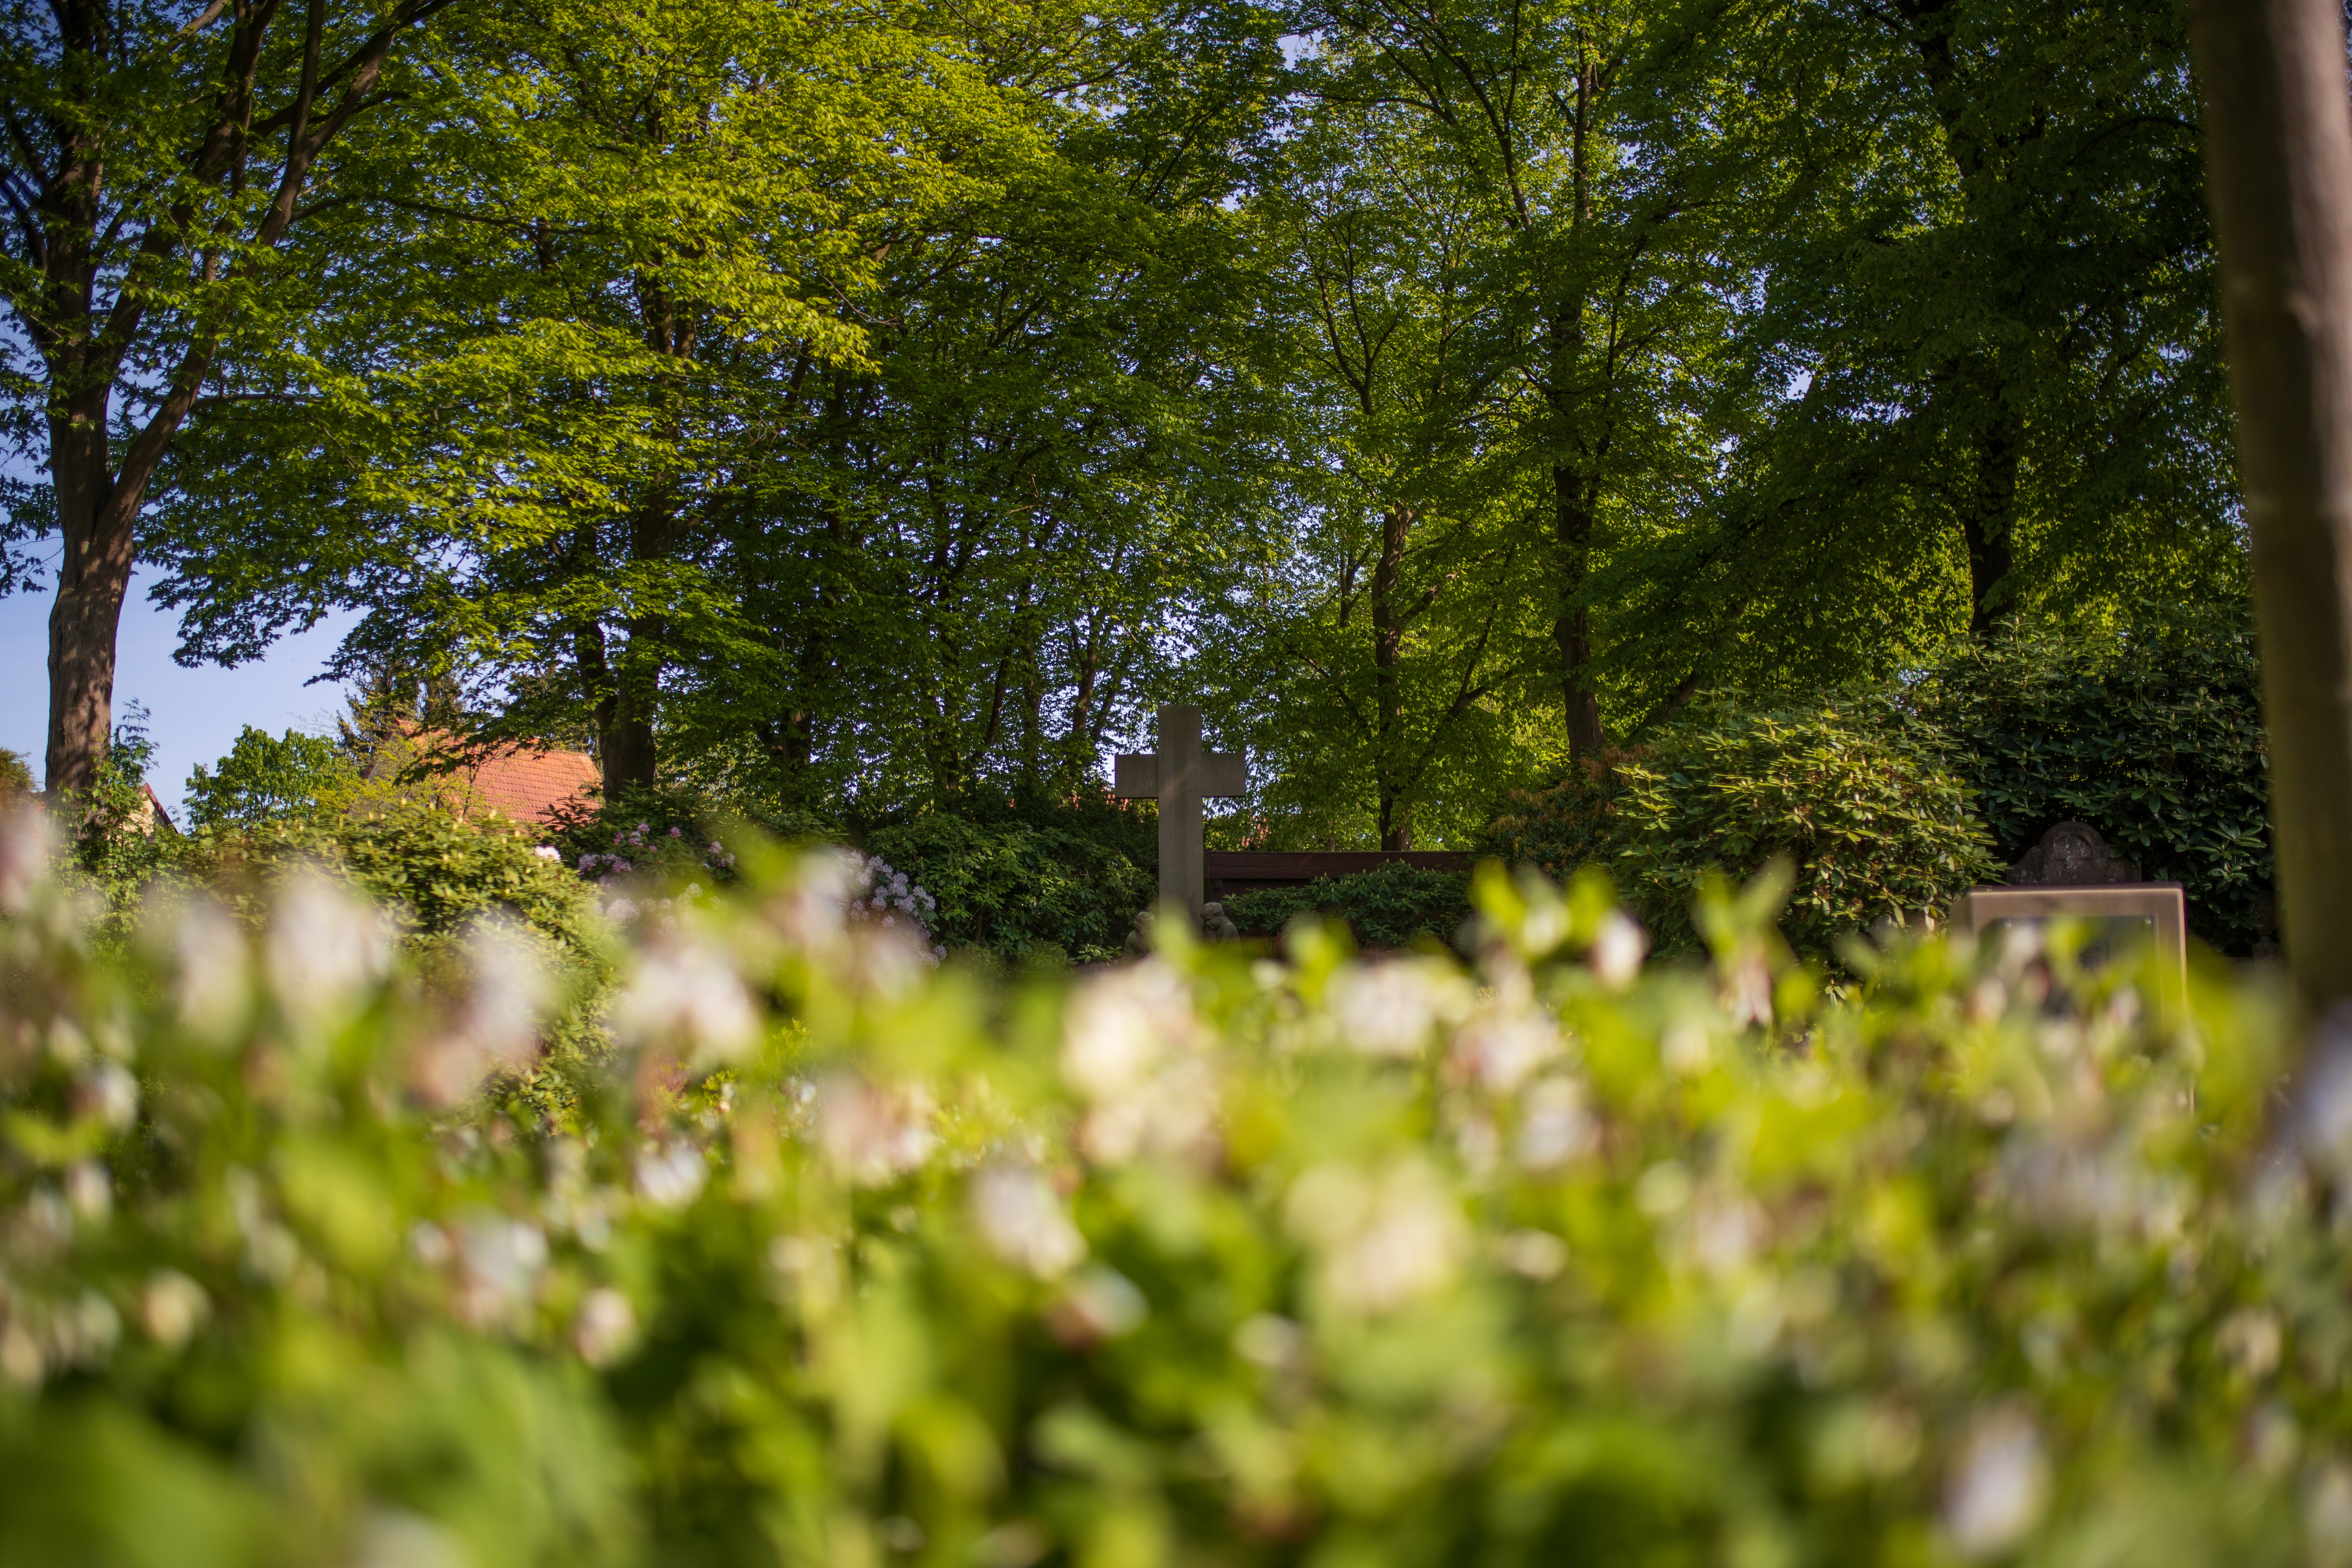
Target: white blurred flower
[671, 1175]
[1389, 1009]
[84, 1331]
[1501, 1047]
[1385, 1238]
[1997, 1491]
[1746, 986]
[2250, 1339]
[1554, 1127]
[89, 1191]
[68, 1046]
[1545, 924]
[502, 1260]
[325, 947]
[429, 1244]
[606, 1328]
[620, 912]
[210, 962]
[1173, 1114]
[109, 1092]
[497, 1025]
[872, 1136]
[1275, 1343]
[1132, 1047]
[1618, 949]
[1663, 1190]
[25, 854]
[1020, 1217]
[1101, 1304]
[1723, 1231]
[171, 1308]
[1688, 1048]
[46, 1218]
[1120, 1026]
[810, 913]
[396, 1537]
[21, 1358]
[689, 995]
[1535, 1253]
[548, 852]
[2327, 1512]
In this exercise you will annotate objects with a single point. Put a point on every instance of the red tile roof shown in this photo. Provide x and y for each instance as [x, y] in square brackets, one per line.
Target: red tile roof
[528, 785]
[523, 781]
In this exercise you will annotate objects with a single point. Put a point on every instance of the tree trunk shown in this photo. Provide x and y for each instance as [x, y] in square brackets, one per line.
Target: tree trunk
[2278, 149]
[1388, 676]
[626, 741]
[1988, 524]
[84, 342]
[1571, 628]
[1575, 494]
[93, 576]
[626, 746]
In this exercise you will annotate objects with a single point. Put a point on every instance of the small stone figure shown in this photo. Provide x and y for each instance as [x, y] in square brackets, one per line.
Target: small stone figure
[1139, 940]
[2072, 854]
[1218, 926]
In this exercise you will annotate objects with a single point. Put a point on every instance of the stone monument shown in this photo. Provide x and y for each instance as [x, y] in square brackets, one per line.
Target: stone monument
[1177, 775]
[2072, 854]
[2073, 872]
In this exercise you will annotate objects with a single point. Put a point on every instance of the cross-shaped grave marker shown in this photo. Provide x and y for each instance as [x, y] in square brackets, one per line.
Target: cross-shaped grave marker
[1177, 775]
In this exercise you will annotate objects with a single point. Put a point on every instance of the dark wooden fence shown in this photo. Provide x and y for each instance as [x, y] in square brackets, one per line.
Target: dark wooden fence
[1246, 870]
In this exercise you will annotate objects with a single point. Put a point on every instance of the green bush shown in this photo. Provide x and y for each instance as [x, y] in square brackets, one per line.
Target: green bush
[1850, 791]
[1199, 1262]
[119, 843]
[434, 870]
[2153, 736]
[595, 826]
[1390, 905]
[437, 877]
[1020, 891]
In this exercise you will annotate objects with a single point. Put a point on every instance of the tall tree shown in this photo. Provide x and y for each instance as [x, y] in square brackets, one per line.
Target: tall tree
[158, 156]
[1982, 329]
[805, 393]
[1399, 632]
[616, 271]
[1615, 290]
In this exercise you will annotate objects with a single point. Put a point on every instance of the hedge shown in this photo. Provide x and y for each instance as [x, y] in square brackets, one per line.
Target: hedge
[840, 1260]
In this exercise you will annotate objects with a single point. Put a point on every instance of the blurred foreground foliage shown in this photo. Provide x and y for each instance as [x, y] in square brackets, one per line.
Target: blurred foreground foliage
[826, 1257]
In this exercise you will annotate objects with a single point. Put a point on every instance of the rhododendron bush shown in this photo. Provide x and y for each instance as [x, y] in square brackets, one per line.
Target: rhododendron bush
[830, 1256]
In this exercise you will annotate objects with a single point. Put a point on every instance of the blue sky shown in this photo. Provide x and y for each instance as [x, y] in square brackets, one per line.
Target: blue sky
[194, 714]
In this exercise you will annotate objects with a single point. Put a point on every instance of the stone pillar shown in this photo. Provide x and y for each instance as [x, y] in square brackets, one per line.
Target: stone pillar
[1178, 768]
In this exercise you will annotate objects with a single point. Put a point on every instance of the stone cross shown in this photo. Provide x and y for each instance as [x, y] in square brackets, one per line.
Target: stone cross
[1177, 775]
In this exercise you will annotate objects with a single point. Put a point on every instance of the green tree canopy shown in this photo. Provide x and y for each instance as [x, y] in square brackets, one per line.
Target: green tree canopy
[262, 779]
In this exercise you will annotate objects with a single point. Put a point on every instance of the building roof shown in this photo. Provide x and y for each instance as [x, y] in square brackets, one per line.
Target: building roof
[524, 782]
[528, 785]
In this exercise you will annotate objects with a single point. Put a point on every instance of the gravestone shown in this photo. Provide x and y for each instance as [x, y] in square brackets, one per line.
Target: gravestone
[2072, 854]
[2073, 872]
[1177, 775]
